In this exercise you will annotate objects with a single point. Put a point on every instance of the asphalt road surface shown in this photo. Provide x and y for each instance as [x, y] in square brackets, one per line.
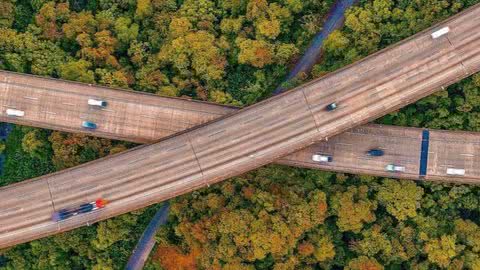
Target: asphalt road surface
[245, 140]
[69, 108]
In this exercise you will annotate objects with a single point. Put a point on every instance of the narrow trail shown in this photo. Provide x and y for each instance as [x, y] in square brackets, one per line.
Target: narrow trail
[334, 21]
[147, 240]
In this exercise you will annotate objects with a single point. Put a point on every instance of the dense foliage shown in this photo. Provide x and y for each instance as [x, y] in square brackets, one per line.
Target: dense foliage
[20, 165]
[224, 51]
[235, 52]
[285, 218]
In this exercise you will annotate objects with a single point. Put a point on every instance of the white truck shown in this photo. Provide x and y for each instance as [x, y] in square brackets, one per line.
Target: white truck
[97, 102]
[453, 171]
[13, 112]
[440, 32]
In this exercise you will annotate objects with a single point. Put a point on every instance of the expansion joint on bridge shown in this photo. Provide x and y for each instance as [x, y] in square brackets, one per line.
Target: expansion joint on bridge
[51, 196]
[310, 110]
[198, 161]
[465, 69]
[449, 41]
[461, 62]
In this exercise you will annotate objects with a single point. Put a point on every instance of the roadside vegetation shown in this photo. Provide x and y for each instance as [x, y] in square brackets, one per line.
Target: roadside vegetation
[236, 52]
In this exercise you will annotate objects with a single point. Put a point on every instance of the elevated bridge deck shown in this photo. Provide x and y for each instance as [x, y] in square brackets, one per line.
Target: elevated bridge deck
[247, 139]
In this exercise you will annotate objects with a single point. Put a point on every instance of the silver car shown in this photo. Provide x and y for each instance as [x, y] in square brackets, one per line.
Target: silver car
[394, 168]
[322, 158]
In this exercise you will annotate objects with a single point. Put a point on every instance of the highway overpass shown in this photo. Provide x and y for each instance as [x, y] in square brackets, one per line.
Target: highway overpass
[130, 116]
[146, 118]
[425, 154]
[250, 138]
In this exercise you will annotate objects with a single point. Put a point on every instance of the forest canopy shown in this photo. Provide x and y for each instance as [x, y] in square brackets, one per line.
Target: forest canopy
[237, 52]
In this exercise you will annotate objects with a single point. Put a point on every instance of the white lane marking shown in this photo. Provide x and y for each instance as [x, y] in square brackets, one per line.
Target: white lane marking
[88, 187]
[53, 113]
[138, 160]
[467, 155]
[446, 165]
[6, 211]
[32, 98]
[148, 116]
[68, 104]
[216, 133]
[107, 110]
[33, 228]
[347, 144]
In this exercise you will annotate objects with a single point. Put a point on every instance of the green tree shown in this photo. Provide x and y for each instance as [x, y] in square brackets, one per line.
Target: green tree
[35, 144]
[284, 53]
[232, 25]
[2, 147]
[257, 53]
[30, 142]
[73, 149]
[79, 23]
[112, 231]
[116, 78]
[102, 53]
[50, 17]
[126, 30]
[179, 27]
[353, 208]
[144, 9]
[197, 52]
[468, 233]
[364, 263]
[442, 250]
[6, 13]
[151, 79]
[77, 71]
[400, 198]
[336, 43]
[374, 243]
[24, 52]
[201, 13]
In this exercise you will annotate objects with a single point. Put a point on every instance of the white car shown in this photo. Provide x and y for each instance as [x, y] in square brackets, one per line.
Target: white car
[13, 112]
[322, 158]
[394, 168]
[453, 171]
[96, 102]
[440, 32]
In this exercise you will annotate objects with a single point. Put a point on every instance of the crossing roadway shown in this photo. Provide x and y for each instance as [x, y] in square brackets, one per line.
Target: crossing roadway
[244, 140]
[145, 118]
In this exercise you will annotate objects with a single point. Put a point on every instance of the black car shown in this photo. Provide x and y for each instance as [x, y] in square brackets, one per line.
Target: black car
[331, 106]
[375, 152]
